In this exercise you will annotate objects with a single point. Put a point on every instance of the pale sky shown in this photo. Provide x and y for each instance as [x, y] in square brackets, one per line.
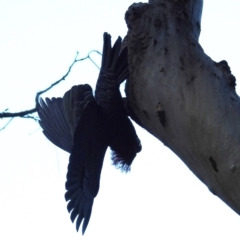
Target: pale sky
[160, 198]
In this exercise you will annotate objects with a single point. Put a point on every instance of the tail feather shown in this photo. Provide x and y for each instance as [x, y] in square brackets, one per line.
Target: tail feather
[122, 70]
[115, 52]
[106, 54]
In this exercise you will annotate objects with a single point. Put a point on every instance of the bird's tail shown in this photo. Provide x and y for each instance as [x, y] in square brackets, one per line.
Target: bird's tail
[115, 59]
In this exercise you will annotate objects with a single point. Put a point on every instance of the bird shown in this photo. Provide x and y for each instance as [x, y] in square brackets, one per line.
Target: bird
[85, 125]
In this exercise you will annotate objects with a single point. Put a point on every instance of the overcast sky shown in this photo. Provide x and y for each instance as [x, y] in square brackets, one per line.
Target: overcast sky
[160, 198]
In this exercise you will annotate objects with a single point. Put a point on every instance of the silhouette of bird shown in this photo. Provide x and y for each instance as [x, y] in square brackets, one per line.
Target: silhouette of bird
[124, 142]
[85, 126]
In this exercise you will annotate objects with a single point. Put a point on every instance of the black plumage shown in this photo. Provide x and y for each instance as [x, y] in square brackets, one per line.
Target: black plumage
[85, 126]
[124, 142]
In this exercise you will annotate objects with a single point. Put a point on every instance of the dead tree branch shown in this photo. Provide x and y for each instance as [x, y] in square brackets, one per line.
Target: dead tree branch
[26, 113]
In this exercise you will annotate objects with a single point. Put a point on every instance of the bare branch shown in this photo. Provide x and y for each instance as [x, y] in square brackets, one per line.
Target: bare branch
[17, 114]
[25, 114]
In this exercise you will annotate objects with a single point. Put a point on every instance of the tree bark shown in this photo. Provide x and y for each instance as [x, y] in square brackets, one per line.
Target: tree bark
[181, 96]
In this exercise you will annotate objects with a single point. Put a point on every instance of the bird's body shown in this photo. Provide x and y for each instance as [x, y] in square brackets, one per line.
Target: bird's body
[85, 126]
[124, 142]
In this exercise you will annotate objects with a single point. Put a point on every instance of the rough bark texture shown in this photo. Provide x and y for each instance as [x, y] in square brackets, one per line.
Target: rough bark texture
[181, 96]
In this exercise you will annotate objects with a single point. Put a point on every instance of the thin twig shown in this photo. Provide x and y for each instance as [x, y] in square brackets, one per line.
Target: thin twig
[6, 124]
[36, 119]
[91, 58]
[58, 81]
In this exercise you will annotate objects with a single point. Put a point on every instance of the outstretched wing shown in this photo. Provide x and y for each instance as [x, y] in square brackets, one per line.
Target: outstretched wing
[124, 141]
[59, 116]
[85, 164]
[54, 123]
[76, 124]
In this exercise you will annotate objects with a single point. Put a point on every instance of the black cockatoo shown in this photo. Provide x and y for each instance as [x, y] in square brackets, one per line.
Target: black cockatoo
[85, 126]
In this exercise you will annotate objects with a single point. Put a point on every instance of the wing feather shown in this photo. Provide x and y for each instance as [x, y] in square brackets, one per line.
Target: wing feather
[85, 163]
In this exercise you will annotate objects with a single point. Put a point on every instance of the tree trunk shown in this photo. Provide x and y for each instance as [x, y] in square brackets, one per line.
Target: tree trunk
[181, 96]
